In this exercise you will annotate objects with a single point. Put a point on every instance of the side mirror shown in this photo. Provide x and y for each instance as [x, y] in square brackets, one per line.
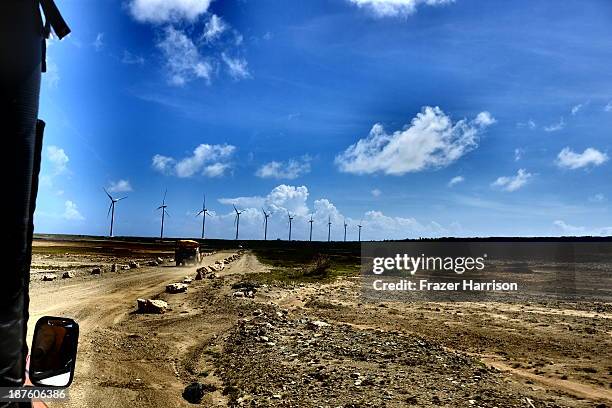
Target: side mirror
[54, 351]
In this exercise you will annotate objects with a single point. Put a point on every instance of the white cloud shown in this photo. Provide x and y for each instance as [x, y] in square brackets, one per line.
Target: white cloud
[290, 170]
[237, 67]
[164, 11]
[163, 164]
[51, 78]
[98, 43]
[376, 192]
[513, 183]
[58, 158]
[71, 211]
[530, 124]
[216, 169]
[183, 60]
[608, 107]
[294, 199]
[431, 140]
[209, 160]
[572, 160]
[392, 8]
[569, 229]
[518, 154]
[597, 198]
[555, 126]
[129, 58]
[119, 186]
[214, 27]
[577, 108]
[456, 180]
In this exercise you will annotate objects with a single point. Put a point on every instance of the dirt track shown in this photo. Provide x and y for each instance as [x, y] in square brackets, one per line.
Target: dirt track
[431, 352]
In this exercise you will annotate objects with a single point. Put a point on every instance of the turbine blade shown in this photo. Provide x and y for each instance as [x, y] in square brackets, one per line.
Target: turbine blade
[164, 200]
[109, 209]
[167, 213]
[109, 196]
[198, 214]
[161, 206]
[122, 198]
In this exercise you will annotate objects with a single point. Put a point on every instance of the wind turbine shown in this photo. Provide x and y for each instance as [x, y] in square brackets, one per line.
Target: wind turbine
[163, 214]
[266, 215]
[345, 225]
[328, 228]
[237, 220]
[111, 210]
[290, 219]
[360, 229]
[203, 211]
[311, 221]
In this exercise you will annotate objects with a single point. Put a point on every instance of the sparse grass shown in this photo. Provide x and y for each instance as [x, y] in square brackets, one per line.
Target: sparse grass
[303, 264]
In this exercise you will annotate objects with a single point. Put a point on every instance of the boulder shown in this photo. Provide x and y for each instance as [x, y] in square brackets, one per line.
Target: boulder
[67, 275]
[194, 393]
[151, 306]
[152, 263]
[134, 265]
[199, 275]
[49, 277]
[96, 271]
[114, 267]
[317, 324]
[176, 288]
[159, 260]
[187, 280]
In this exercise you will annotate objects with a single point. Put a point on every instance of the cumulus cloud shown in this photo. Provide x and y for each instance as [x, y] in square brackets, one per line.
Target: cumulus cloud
[213, 28]
[58, 158]
[569, 229]
[167, 11]
[597, 198]
[206, 159]
[295, 200]
[518, 154]
[513, 183]
[183, 60]
[71, 211]
[456, 180]
[555, 126]
[237, 67]
[119, 186]
[393, 8]
[569, 159]
[376, 192]
[290, 169]
[608, 107]
[432, 140]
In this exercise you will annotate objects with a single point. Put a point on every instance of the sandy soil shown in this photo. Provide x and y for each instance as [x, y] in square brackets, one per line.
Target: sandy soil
[273, 350]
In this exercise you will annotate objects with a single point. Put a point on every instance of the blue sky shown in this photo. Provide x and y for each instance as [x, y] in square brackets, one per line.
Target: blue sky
[411, 117]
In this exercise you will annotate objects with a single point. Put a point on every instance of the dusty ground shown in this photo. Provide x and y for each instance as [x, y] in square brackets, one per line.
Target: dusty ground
[313, 344]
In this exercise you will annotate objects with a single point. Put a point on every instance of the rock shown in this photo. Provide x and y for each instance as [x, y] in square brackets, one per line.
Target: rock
[96, 271]
[187, 280]
[194, 393]
[49, 277]
[152, 263]
[67, 275]
[114, 267]
[125, 267]
[159, 260]
[257, 312]
[176, 288]
[238, 294]
[317, 324]
[199, 275]
[134, 265]
[151, 306]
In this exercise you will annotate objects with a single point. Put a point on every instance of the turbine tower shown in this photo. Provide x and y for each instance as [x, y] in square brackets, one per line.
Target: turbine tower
[111, 210]
[310, 221]
[237, 220]
[360, 229]
[203, 211]
[266, 215]
[163, 214]
[290, 219]
[345, 225]
[329, 228]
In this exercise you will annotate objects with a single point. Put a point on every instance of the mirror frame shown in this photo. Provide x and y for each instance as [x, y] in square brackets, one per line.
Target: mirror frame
[43, 320]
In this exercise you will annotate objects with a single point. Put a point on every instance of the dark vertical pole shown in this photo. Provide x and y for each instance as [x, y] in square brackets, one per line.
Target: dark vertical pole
[112, 217]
